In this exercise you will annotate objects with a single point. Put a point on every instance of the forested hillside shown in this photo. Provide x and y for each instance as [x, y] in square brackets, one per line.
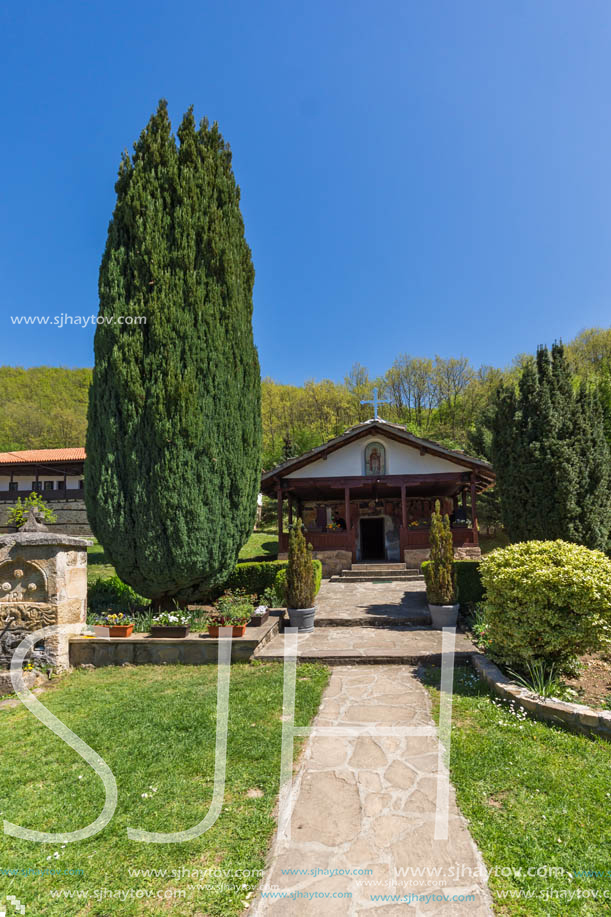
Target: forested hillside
[442, 399]
[43, 407]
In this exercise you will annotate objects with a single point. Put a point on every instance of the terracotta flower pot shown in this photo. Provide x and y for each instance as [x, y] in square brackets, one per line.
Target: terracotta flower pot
[238, 631]
[120, 630]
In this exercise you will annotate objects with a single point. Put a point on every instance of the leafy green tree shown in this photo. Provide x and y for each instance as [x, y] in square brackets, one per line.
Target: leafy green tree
[18, 514]
[551, 457]
[174, 425]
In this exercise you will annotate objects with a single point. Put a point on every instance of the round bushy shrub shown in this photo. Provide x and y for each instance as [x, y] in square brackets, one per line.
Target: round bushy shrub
[546, 600]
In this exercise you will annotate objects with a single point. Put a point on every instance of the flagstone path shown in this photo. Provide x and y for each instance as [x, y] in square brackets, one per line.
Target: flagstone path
[369, 623]
[368, 803]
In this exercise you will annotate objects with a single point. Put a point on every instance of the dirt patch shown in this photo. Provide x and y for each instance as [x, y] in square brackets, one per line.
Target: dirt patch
[593, 683]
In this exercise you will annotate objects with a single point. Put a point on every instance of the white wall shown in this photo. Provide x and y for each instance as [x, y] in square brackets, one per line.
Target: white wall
[25, 481]
[349, 461]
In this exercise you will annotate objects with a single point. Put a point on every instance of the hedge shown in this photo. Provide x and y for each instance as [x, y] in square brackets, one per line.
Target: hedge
[255, 577]
[111, 593]
[469, 588]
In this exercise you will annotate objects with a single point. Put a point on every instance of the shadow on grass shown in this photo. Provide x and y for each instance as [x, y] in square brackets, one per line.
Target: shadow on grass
[466, 681]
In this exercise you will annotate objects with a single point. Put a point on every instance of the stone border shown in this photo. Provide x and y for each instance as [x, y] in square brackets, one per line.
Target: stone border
[576, 717]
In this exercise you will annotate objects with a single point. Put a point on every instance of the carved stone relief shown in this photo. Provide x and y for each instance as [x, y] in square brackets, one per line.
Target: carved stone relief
[21, 581]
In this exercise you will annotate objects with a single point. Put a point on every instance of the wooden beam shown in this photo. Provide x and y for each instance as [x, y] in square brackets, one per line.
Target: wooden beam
[404, 506]
[367, 480]
[280, 494]
[347, 508]
[474, 510]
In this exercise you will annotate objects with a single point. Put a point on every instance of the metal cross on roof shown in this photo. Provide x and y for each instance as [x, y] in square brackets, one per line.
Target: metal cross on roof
[375, 402]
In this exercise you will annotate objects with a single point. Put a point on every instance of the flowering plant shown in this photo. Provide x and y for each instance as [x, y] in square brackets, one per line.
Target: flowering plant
[333, 526]
[114, 620]
[233, 608]
[172, 619]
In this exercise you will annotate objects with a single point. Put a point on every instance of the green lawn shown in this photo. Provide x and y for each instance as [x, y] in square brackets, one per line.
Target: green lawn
[97, 564]
[155, 727]
[535, 796]
[260, 544]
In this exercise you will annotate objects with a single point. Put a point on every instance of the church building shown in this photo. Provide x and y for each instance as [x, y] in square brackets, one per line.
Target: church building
[368, 495]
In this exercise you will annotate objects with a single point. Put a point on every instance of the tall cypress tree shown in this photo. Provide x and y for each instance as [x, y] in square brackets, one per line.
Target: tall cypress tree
[174, 424]
[551, 456]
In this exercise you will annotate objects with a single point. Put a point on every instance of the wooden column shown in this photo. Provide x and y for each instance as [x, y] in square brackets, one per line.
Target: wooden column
[280, 499]
[474, 510]
[464, 498]
[403, 506]
[347, 508]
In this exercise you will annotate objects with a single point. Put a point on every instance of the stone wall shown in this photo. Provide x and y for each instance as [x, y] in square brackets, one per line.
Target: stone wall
[43, 582]
[71, 516]
[576, 717]
[413, 557]
[333, 562]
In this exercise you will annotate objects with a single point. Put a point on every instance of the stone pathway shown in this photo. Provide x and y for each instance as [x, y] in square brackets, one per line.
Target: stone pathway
[371, 604]
[368, 803]
[370, 645]
[370, 623]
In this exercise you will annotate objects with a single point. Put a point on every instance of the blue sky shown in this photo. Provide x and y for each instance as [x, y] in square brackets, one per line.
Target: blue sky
[420, 177]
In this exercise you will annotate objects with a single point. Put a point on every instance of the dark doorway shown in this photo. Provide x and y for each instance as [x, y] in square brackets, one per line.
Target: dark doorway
[372, 539]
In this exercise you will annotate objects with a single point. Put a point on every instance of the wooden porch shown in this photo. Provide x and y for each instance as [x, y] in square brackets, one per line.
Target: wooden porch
[409, 539]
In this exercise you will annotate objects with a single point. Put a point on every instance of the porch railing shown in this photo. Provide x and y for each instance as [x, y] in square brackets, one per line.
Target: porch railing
[419, 538]
[323, 541]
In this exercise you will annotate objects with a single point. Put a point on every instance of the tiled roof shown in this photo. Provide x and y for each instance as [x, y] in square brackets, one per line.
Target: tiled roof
[31, 456]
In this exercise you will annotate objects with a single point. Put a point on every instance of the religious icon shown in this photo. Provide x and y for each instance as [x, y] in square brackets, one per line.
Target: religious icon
[375, 459]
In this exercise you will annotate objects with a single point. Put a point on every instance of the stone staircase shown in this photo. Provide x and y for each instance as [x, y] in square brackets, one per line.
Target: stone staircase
[375, 572]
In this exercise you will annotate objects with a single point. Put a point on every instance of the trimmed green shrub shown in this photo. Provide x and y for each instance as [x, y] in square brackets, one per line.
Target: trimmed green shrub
[280, 583]
[469, 589]
[546, 600]
[439, 572]
[255, 577]
[300, 571]
[111, 593]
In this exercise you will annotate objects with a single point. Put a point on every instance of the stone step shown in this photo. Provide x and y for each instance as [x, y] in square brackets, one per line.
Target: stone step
[361, 620]
[399, 645]
[376, 568]
[351, 576]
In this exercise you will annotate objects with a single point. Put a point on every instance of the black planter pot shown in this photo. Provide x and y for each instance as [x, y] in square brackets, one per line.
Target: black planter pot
[171, 630]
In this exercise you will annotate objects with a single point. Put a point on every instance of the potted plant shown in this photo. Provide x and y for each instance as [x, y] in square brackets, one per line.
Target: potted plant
[259, 616]
[300, 581]
[439, 573]
[232, 609]
[174, 624]
[119, 624]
